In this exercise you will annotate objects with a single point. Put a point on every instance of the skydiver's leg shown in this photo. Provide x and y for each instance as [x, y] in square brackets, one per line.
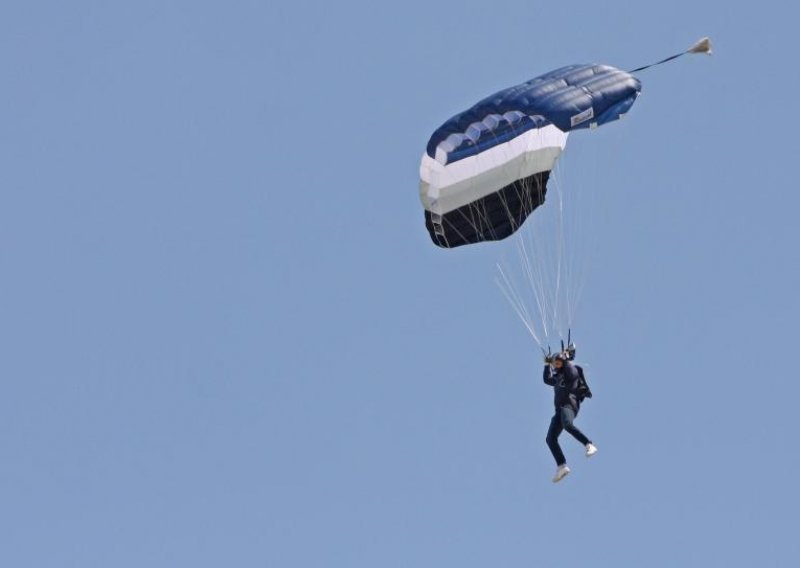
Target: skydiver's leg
[552, 440]
[568, 422]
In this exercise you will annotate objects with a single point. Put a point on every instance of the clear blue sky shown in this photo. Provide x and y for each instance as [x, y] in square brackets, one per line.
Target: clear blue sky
[228, 341]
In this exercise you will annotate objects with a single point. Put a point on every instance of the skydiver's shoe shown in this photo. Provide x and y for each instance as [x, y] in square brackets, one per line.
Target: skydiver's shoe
[590, 450]
[561, 473]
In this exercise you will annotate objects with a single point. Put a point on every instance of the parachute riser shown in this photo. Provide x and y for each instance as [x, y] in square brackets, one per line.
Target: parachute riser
[568, 350]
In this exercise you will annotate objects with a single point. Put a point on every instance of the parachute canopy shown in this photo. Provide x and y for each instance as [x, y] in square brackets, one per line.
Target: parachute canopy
[486, 169]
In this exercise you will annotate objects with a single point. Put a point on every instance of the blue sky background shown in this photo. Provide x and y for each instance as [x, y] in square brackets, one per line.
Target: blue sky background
[228, 341]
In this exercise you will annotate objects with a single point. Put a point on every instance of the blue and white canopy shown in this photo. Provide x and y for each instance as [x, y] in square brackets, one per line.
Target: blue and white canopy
[486, 169]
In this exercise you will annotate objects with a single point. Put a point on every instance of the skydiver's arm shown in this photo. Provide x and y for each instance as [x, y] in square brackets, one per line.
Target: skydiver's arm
[548, 376]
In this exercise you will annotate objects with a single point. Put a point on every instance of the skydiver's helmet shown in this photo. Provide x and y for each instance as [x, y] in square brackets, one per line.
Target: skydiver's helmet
[560, 357]
[570, 351]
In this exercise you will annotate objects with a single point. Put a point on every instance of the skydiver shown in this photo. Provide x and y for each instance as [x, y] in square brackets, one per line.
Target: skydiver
[566, 378]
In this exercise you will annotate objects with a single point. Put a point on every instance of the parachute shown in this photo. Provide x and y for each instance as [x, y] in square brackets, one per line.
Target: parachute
[486, 170]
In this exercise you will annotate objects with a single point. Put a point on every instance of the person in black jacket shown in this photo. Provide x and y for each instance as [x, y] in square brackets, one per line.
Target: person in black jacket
[565, 378]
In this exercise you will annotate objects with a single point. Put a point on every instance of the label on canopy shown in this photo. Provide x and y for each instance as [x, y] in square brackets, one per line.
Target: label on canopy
[582, 117]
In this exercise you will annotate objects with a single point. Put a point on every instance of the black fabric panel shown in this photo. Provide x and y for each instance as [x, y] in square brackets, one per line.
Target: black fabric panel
[492, 218]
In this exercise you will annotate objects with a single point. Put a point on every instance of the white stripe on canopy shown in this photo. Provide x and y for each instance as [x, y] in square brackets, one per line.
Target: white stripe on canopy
[444, 188]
